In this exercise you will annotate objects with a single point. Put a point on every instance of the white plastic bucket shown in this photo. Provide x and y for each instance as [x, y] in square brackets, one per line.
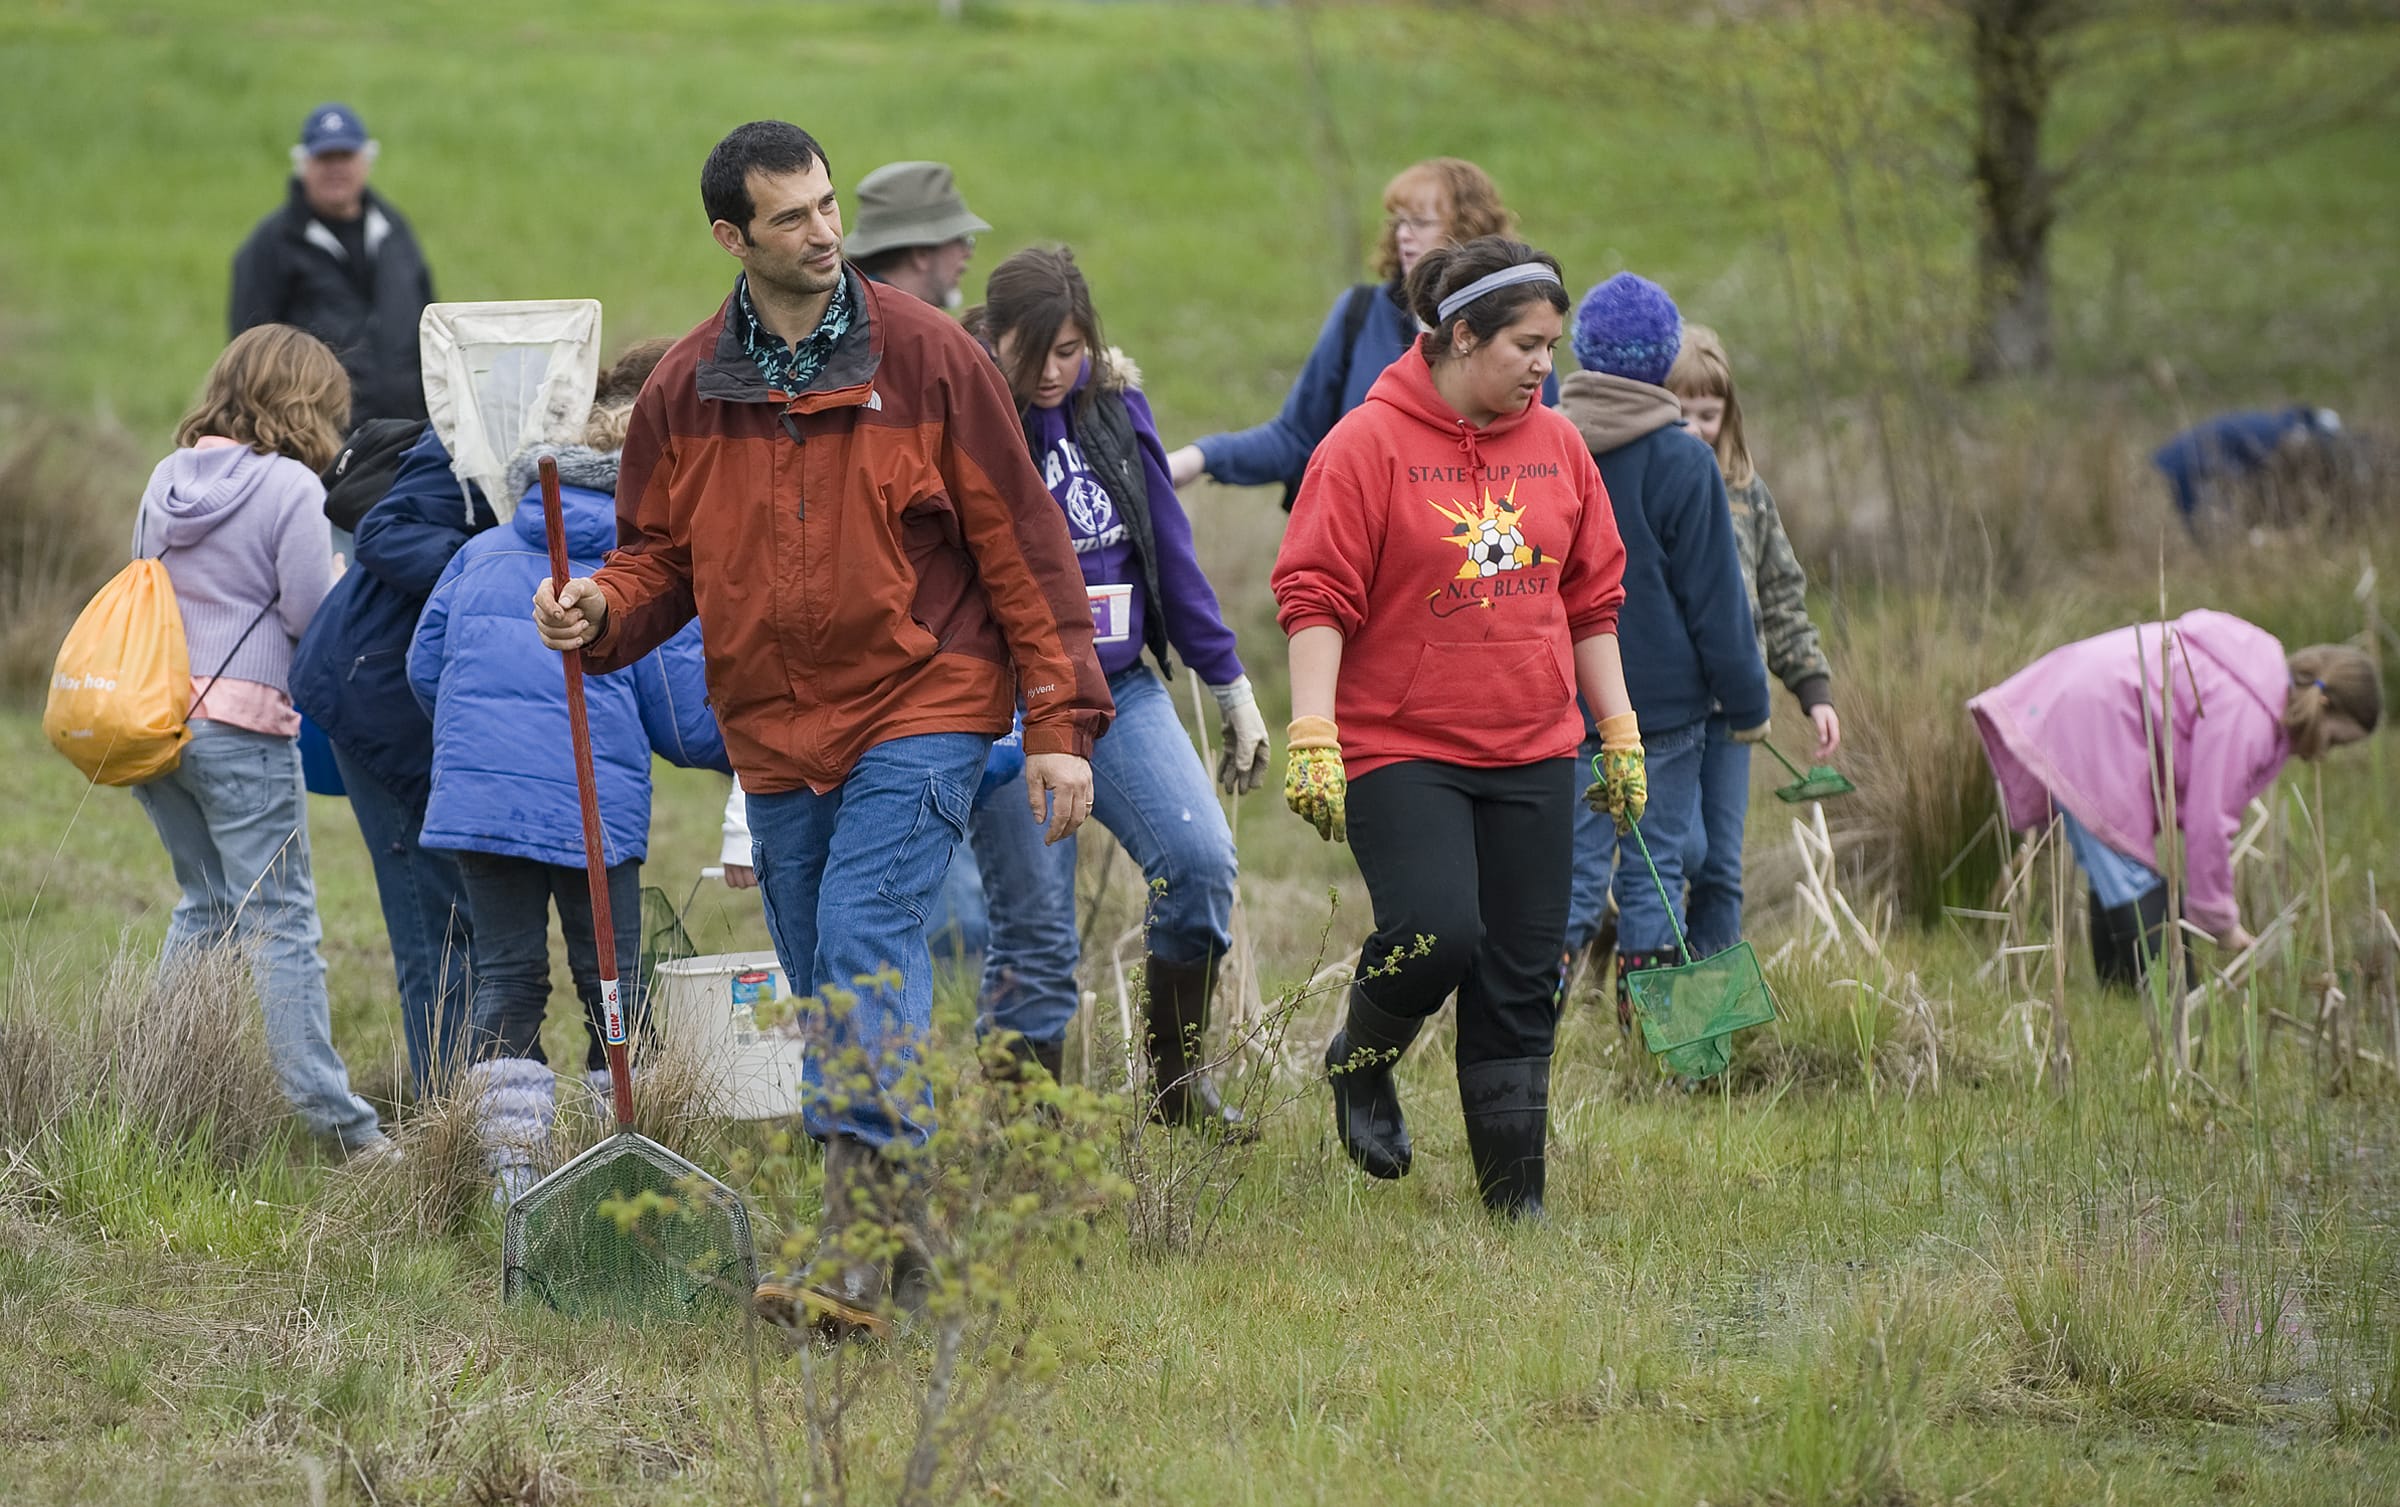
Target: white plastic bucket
[696, 1007]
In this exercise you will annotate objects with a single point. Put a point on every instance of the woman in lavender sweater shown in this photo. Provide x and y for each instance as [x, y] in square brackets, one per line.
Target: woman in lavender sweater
[237, 516]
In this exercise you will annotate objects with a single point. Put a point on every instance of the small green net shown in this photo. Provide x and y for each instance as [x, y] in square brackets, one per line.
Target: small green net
[562, 1246]
[1689, 1013]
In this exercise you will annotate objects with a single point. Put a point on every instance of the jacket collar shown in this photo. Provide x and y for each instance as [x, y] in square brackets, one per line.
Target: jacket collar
[304, 223]
[847, 380]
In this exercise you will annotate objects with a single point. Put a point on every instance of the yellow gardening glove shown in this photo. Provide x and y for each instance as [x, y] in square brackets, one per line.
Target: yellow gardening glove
[1313, 782]
[1623, 789]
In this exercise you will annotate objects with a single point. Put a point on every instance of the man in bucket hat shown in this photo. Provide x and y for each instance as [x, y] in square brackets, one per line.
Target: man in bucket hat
[342, 264]
[914, 231]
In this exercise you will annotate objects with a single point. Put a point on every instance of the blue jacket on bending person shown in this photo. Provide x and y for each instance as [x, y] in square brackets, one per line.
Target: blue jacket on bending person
[2234, 447]
[503, 759]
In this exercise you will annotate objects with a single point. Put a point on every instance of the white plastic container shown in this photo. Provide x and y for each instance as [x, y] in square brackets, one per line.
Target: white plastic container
[705, 1004]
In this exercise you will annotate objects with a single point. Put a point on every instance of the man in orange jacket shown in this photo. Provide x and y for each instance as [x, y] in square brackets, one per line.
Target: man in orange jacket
[832, 476]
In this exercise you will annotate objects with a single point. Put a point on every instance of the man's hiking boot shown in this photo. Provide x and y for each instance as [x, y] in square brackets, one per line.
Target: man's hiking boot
[842, 1292]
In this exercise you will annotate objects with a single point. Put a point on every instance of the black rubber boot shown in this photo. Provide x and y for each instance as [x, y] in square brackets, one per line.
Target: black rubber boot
[1507, 1108]
[2116, 958]
[1182, 1093]
[2129, 939]
[2159, 931]
[1636, 962]
[1366, 1102]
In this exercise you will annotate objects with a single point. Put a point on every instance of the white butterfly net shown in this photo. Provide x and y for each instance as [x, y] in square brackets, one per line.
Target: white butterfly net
[500, 377]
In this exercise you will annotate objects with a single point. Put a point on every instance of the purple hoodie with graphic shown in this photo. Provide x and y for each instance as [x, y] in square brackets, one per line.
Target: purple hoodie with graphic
[1195, 626]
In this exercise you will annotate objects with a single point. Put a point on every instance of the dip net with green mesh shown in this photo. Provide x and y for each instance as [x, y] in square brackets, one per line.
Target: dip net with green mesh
[1689, 1013]
[688, 1248]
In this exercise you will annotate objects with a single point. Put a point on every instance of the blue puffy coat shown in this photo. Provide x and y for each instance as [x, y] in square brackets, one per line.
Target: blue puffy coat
[350, 671]
[503, 760]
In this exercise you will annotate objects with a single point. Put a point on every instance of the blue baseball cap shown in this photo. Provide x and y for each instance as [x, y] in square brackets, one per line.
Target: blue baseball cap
[332, 128]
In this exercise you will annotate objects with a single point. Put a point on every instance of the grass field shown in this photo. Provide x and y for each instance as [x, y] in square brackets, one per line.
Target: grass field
[1886, 1265]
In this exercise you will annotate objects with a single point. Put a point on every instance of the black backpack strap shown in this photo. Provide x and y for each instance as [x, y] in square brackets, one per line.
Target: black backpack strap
[1355, 307]
[228, 660]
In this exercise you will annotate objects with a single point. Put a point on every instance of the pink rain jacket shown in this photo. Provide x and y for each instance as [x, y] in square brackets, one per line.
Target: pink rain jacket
[2069, 728]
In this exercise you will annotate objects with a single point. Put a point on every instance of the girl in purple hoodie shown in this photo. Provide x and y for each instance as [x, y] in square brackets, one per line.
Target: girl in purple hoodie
[1090, 433]
[2074, 732]
[237, 516]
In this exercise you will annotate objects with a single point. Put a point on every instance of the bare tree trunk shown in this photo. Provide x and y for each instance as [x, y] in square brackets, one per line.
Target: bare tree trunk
[2012, 56]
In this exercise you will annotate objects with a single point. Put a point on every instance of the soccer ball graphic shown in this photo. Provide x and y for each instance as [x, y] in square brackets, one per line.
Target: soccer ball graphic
[1496, 549]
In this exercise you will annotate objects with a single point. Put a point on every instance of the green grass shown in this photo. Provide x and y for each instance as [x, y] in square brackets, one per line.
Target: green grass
[1834, 1285]
[553, 150]
[1834, 1282]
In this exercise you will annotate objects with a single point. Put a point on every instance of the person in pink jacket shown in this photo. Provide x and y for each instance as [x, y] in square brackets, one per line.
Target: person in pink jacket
[2074, 730]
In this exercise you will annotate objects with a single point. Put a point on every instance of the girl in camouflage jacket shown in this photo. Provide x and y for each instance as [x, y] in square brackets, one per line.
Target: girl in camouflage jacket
[1702, 380]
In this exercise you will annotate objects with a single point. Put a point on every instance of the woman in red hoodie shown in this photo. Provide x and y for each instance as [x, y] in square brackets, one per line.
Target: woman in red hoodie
[1450, 579]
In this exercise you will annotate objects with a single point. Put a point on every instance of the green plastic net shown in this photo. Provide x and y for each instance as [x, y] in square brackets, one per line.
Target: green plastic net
[562, 1247]
[1689, 1013]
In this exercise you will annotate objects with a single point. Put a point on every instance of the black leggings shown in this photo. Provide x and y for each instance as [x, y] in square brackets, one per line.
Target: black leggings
[1480, 861]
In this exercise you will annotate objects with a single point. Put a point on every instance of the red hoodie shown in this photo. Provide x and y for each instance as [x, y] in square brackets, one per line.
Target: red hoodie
[1461, 566]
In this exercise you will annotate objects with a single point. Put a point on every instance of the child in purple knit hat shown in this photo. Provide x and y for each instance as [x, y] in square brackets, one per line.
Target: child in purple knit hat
[1628, 326]
[1691, 656]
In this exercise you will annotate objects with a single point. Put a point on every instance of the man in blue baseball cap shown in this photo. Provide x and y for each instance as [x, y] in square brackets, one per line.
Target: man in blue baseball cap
[342, 264]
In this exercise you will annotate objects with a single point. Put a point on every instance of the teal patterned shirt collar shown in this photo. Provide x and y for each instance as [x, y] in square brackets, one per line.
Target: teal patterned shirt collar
[790, 368]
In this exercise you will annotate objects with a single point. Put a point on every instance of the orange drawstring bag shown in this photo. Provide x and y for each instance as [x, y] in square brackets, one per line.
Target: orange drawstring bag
[122, 683]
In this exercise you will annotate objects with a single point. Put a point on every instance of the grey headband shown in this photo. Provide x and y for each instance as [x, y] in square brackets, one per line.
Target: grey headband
[1506, 277]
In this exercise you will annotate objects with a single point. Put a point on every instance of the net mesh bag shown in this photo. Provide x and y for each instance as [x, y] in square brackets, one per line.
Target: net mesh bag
[664, 939]
[1689, 1013]
[561, 1246]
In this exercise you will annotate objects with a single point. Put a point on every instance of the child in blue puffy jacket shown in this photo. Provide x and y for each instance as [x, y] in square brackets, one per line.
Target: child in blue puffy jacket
[504, 796]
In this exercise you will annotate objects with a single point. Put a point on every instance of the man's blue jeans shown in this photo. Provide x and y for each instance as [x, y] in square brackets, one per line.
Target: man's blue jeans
[235, 824]
[1672, 827]
[848, 878]
[425, 918]
[1715, 920]
[1149, 790]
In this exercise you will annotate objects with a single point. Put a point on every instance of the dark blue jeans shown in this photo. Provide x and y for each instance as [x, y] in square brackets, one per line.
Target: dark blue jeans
[848, 878]
[1672, 828]
[1716, 879]
[424, 914]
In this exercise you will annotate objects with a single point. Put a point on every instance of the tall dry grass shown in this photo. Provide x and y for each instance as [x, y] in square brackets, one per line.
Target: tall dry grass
[178, 1052]
[66, 510]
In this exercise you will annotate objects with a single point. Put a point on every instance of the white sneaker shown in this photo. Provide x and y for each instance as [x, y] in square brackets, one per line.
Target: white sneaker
[381, 1151]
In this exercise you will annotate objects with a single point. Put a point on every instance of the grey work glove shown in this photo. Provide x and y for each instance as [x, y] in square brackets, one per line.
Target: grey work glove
[1243, 765]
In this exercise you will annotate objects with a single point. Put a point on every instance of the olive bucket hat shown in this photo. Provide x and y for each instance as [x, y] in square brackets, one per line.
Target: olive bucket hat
[903, 204]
